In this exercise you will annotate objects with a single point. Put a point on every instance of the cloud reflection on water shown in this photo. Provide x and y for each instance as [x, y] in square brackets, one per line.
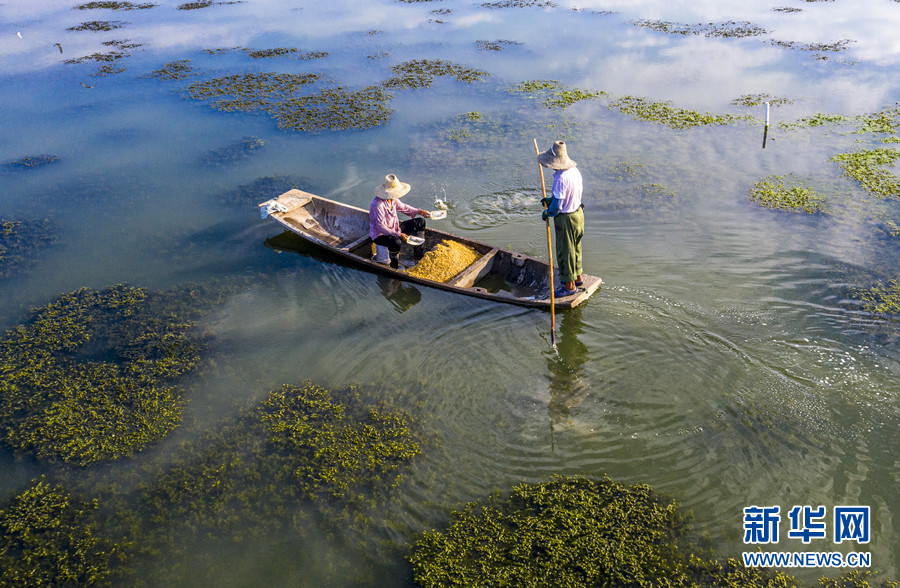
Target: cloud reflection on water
[593, 43]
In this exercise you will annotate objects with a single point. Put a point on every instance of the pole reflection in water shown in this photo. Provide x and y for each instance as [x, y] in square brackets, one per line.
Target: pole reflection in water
[568, 386]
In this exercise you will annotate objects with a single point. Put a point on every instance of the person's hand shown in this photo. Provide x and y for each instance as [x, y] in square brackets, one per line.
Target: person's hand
[544, 214]
[546, 201]
[404, 237]
[425, 213]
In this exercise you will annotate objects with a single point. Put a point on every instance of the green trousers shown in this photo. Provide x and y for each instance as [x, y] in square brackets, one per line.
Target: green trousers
[569, 231]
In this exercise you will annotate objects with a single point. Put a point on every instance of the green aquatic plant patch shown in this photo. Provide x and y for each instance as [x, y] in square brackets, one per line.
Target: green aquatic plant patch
[786, 193]
[857, 578]
[32, 161]
[109, 59]
[869, 168]
[664, 113]
[277, 94]
[206, 4]
[303, 453]
[576, 531]
[520, 4]
[553, 93]
[883, 122]
[284, 51]
[728, 29]
[564, 98]
[105, 57]
[532, 86]
[820, 48]
[100, 25]
[655, 192]
[49, 538]
[341, 452]
[336, 109]
[108, 70]
[816, 120]
[751, 100]
[270, 53]
[572, 531]
[250, 91]
[495, 45]
[476, 127]
[174, 70]
[234, 153]
[93, 376]
[820, 51]
[21, 241]
[420, 73]
[637, 189]
[109, 5]
[882, 298]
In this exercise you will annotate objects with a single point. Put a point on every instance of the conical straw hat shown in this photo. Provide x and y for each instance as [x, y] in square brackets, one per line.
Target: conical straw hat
[392, 188]
[556, 157]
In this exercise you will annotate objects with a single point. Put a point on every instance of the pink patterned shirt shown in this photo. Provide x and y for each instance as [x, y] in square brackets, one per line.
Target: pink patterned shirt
[383, 218]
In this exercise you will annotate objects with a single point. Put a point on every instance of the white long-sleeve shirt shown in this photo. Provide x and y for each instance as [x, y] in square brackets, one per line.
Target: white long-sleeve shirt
[567, 186]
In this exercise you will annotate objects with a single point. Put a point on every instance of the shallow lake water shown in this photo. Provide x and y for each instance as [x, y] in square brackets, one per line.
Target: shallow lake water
[727, 360]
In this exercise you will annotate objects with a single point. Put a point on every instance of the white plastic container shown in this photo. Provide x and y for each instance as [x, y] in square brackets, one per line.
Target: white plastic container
[382, 254]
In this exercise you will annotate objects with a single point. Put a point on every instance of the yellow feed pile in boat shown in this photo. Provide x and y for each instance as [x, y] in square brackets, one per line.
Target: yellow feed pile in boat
[447, 259]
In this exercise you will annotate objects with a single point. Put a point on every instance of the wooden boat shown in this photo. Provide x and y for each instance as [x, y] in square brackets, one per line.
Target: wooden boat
[498, 274]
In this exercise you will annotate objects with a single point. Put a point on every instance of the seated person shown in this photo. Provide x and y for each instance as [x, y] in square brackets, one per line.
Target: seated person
[385, 227]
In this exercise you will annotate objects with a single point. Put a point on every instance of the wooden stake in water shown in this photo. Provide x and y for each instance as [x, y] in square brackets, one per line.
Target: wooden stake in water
[766, 132]
[550, 258]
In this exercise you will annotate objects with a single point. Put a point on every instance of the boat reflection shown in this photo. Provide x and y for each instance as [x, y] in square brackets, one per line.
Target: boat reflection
[400, 294]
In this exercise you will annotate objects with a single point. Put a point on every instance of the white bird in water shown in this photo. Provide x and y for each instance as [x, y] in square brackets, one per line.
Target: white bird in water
[20, 34]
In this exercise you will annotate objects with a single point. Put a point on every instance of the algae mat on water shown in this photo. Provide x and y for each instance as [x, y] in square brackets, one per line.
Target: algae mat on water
[333, 108]
[568, 532]
[20, 241]
[278, 95]
[48, 538]
[332, 450]
[301, 463]
[871, 169]
[574, 531]
[785, 193]
[92, 377]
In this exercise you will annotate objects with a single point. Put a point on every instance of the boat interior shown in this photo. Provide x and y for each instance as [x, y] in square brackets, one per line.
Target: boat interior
[496, 271]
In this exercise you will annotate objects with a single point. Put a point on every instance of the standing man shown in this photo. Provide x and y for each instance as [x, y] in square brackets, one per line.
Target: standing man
[568, 216]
